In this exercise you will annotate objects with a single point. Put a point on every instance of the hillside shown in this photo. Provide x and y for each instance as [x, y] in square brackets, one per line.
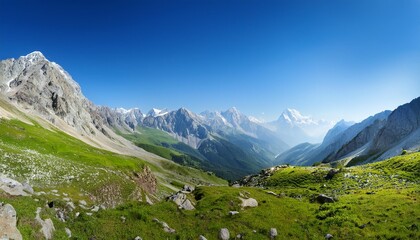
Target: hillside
[388, 191]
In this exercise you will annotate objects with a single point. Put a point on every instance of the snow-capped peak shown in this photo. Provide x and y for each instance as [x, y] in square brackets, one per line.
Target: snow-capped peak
[255, 120]
[122, 110]
[154, 112]
[293, 116]
[34, 56]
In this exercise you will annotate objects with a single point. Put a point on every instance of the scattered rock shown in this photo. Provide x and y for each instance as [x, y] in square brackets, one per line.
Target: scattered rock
[60, 215]
[66, 199]
[148, 201]
[77, 214]
[233, 213]
[47, 226]
[236, 185]
[188, 188]
[89, 213]
[82, 202]
[8, 229]
[181, 200]
[328, 236]
[12, 187]
[95, 209]
[239, 236]
[250, 202]
[165, 226]
[224, 234]
[322, 198]
[123, 219]
[187, 205]
[54, 191]
[201, 237]
[27, 188]
[273, 233]
[332, 173]
[68, 232]
[70, 206]
[138, 238]
[272, 193]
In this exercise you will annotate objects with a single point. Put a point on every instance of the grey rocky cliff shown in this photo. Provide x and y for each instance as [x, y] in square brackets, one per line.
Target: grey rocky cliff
[182, 124]
[403, 121]
[41, 86]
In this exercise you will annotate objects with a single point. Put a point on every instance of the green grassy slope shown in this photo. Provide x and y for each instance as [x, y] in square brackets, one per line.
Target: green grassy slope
[53, 159]
[229, 156]
[375, 201]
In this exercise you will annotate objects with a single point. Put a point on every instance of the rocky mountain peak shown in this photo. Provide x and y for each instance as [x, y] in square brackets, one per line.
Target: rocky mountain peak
[35, 56]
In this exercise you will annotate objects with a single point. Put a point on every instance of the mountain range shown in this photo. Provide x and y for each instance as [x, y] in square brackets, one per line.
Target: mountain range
[227, 143]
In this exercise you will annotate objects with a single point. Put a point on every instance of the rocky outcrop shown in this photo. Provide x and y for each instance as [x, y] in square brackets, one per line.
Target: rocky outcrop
[146, 180]
[8, 220]
[15, 188]
[182, 124]
[402, 122]
[47, 226]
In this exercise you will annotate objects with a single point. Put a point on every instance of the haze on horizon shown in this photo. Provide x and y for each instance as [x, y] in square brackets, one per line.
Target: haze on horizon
[327, 59]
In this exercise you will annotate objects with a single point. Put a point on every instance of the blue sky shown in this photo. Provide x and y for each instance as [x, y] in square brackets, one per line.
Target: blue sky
[329, 59]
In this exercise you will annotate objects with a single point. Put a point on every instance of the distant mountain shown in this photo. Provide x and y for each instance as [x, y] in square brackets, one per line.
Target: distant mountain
[294, 128]
[376, 138]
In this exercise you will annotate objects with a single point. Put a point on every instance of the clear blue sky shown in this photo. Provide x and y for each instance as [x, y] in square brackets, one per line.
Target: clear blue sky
[329, 59]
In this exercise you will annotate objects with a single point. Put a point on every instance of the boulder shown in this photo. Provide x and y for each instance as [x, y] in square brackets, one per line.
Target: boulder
[328, 236]
[273, 233]
[322, 198]
[248, 202]
[188, 188]
[233, 213]
[8, 229]
[224, 234]
[12, 187]
[187, 205]
[181, 200]
[47, 226]
[68, 232]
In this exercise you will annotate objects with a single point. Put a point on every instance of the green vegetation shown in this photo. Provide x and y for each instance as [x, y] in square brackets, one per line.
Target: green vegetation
[374, 201]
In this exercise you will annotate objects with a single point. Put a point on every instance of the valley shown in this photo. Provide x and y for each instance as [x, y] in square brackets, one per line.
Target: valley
[71, 169]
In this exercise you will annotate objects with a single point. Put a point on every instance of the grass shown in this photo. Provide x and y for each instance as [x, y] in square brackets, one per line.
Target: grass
[375, 201]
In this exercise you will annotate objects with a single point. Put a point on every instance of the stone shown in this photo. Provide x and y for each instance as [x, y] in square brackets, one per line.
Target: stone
[12, 187]
[273, 233]
[82, 202]
[181, 200]
[27, 188]
[188, 188]
[122, 218]
[138, 238]
[68, 232]
[233, 213]
[47, 226]
[148, 201]
[328, 236]
[187, 205]
[322, 198]
[95, 209]
[70, 206]
[8, 220]
[201, 237]
[224, 234]
[248, 202]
